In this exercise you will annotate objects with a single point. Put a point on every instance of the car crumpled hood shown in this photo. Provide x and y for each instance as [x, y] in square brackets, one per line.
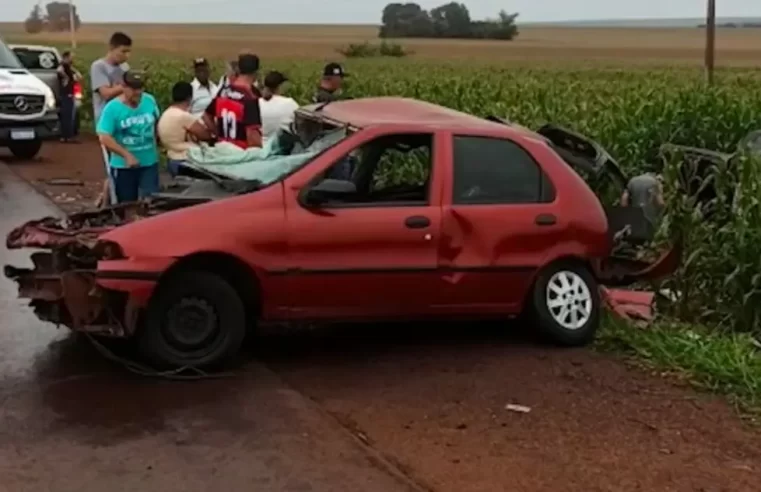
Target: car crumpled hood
[85, 228]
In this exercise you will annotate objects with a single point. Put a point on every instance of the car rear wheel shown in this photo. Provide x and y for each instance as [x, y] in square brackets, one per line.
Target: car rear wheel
[195, 319]
[566, 304]
[26, 149]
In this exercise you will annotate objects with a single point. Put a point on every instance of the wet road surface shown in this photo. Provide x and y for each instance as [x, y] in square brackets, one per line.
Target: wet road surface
[72, 421]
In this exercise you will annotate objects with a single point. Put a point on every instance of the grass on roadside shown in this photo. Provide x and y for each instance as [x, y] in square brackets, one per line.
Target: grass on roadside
[720, 362]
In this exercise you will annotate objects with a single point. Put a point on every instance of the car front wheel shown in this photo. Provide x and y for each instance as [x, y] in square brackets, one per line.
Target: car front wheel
[566, 304]
[25, 150]
[195, 319]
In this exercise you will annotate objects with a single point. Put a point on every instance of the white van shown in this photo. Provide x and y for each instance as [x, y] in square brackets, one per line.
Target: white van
[28, 113]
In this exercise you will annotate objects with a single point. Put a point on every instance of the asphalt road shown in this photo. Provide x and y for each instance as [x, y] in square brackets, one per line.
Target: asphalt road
[72, 421]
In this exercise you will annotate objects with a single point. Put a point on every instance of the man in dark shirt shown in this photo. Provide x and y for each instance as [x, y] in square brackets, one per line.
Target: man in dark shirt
[67, 77]
[234, 113]
[330, 84]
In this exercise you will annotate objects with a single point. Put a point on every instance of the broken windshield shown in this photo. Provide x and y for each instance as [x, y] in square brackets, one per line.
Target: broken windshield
[283, 155]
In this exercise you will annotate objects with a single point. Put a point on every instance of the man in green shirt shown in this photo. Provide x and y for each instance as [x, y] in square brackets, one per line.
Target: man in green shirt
[330, 84]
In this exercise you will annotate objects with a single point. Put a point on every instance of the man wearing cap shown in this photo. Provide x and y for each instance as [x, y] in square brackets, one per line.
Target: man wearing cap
[204, 89]
[234, 113]
[127, 129]
[276, 109]
[330, 84]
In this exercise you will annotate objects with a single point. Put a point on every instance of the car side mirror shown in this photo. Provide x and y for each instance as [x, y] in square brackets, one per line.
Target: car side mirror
[329, 189]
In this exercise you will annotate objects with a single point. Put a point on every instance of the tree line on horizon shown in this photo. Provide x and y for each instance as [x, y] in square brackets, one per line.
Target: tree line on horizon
[399, 20]
[451, 20]
[54, 19]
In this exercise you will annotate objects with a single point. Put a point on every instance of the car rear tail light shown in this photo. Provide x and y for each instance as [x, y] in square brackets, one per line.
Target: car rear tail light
[77, 90]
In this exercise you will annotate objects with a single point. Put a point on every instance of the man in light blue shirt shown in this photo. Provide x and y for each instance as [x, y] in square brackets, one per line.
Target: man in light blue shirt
[127, 129]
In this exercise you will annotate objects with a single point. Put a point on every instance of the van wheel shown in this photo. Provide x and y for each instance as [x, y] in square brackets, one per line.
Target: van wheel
[25, 150]
[195, 319]
[566, 304]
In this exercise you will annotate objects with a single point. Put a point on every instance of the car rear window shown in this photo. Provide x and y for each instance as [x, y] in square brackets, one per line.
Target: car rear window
[37, 59]
[497, 171]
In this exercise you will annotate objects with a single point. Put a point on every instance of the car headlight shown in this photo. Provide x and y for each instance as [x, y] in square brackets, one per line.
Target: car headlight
[108, 250]
[49, 99]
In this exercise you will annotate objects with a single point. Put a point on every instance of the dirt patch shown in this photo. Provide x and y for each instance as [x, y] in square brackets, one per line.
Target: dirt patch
[71, 175]
[465, 409]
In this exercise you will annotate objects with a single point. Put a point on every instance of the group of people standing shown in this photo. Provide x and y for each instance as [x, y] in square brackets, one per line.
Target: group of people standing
[241, 109]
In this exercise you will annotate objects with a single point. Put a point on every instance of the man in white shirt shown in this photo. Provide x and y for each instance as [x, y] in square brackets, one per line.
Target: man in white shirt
[276, 109]
[204, 89]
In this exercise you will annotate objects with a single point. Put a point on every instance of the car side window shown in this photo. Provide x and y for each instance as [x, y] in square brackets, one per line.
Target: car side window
[497, 171]
[389, 170]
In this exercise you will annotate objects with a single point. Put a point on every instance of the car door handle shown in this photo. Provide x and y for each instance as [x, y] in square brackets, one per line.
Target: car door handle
[545, 220]
[417, 222]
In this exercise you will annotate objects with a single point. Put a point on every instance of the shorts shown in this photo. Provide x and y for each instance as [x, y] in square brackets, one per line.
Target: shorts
[131, 183]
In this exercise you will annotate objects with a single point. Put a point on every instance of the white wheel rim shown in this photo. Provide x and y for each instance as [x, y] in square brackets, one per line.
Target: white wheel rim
[569, 300]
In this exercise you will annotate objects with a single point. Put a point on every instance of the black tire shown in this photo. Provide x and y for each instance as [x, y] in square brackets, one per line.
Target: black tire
[167, 340]
[25, 150]
[548, 323]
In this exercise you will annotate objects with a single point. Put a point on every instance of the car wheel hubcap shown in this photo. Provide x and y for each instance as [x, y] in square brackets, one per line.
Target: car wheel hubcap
[190, 324]
[569, 300]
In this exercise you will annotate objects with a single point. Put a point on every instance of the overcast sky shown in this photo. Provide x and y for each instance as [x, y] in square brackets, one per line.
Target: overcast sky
[369, 11]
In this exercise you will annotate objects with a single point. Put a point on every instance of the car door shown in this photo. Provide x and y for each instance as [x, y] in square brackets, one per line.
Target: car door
[369, 255]
[498, 225]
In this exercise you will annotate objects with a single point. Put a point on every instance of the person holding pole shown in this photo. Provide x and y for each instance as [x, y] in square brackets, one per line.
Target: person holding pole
[106, 77]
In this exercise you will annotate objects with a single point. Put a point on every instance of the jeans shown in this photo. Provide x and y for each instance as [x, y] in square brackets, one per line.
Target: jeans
[67, 115]
[131, 183]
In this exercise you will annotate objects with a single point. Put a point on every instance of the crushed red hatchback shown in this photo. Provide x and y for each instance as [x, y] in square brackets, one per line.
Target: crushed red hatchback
[397, 209]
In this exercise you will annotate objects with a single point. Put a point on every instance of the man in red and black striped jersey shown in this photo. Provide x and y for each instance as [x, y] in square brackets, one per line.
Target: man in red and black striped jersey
[234, 112]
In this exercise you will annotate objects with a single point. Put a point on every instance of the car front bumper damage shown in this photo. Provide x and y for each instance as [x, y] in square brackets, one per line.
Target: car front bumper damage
[75, 281]
[70, 298]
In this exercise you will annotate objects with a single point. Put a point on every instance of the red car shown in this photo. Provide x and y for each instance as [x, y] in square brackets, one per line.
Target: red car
[408, 210]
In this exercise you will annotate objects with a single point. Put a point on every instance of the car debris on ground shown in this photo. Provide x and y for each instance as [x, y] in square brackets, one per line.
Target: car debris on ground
[517, 408]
